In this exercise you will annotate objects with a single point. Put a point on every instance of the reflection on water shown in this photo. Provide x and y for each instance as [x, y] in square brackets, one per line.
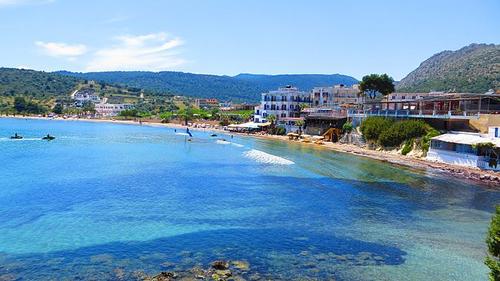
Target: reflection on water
[104, 201]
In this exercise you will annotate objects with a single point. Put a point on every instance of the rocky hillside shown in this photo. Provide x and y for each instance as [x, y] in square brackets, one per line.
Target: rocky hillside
[474, 68]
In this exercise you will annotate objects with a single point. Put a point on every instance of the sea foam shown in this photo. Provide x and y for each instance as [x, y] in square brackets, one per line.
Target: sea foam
[262, 157]
[222, 142]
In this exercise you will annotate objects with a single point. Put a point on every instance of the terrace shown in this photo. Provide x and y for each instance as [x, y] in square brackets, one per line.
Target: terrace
[462, 106]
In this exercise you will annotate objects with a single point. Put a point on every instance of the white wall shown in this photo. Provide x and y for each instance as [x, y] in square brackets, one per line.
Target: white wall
[491, 131]
[450, 157]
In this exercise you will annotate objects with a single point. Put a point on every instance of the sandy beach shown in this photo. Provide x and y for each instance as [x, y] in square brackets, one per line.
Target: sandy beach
[490, 178]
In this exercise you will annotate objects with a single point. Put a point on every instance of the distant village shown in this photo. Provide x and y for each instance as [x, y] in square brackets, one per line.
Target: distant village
[468, 118]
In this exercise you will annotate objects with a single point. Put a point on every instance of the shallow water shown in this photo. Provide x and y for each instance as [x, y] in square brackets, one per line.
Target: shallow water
[106, 198]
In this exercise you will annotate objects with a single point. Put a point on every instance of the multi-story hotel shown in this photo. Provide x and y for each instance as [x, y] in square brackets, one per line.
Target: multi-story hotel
[338, 95]
[284, 104]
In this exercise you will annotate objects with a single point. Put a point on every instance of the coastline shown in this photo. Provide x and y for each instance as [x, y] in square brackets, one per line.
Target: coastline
[489, 178]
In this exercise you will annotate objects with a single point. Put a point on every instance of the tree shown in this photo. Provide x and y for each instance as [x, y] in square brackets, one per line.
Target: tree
[20, 104]
[58, 109]
[88, 107]
[493, 243]
[186, 114]
[347, 127]
[375, 83]
[166, 116]
[271, 118]
[215, 113]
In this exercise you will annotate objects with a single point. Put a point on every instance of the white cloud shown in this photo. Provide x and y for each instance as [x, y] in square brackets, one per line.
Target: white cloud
[62, 49]
[154, 52]
[4, 3]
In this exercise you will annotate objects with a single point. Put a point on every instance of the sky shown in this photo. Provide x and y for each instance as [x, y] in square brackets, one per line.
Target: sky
[227, 37]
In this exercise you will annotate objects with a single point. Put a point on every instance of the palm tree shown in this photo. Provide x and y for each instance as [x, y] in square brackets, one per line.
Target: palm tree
[300, 124]
[271, 118]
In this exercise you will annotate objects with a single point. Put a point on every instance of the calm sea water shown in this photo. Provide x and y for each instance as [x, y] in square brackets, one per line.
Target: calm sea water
[103, 199]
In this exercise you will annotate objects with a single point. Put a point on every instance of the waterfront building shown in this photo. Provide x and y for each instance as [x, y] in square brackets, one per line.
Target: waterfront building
[447, 111]
[338, 95]
[463, 148]
[285, 104]
[109, 110]
[82, 96]
[329, 107]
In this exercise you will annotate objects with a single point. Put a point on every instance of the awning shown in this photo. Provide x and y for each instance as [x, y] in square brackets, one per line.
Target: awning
[466, 138]
[248, 125]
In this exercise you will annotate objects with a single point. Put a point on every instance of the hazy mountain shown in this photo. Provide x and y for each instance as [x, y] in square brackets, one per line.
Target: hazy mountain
[474, 68]
[245, 87]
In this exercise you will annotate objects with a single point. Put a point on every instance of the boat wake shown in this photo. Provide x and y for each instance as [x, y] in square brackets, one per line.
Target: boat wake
[23, 139]
[237, 144]
[222, 142]
[262, 157]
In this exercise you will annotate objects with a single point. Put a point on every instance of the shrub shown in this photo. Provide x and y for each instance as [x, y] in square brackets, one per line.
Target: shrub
[347, 127]
[129, 113]
[425, 142]
[407, 147]
[372, 127]
[166, 116]
[493, 242]
[280, 131]
[402, 131]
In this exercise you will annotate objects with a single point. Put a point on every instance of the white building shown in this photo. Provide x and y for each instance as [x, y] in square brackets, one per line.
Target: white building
[336, 96]
[107, 109]
[460, 148]
[85, 95]
[284, 104]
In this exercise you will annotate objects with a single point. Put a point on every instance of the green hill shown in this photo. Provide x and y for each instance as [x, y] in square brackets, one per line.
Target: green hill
[474, 68]
[37, 84]
[243, 87]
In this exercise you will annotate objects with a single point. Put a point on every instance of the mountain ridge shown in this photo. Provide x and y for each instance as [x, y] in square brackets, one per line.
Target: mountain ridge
[474, 68]
[241, 87]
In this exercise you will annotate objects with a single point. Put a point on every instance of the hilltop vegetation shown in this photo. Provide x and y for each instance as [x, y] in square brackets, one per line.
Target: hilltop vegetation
[37, 84]
[304, 82]
[475, 68]
[243, 87]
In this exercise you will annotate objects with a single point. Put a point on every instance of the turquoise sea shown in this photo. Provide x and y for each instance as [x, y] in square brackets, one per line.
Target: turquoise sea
[103, 200]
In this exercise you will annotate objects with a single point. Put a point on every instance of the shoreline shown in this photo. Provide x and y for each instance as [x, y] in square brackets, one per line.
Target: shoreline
[489, 178]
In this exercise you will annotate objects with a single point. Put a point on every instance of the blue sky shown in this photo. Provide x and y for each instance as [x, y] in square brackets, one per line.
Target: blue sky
[230, 37]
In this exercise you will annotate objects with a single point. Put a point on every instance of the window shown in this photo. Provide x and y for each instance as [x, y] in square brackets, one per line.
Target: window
[496, 133]
[283, 107]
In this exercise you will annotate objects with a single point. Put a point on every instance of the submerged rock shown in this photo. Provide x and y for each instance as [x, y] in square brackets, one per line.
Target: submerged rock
[241, 265]
[163, 276]
[220, 265]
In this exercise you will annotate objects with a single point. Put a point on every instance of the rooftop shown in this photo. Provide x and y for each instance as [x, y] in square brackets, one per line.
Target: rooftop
[467, 138]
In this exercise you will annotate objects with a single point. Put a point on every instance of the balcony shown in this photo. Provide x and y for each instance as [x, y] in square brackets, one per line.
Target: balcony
[408, 113]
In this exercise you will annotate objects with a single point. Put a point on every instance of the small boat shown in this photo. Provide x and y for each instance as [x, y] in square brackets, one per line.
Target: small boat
[48, 137]
[16, 137]
[213, 135]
